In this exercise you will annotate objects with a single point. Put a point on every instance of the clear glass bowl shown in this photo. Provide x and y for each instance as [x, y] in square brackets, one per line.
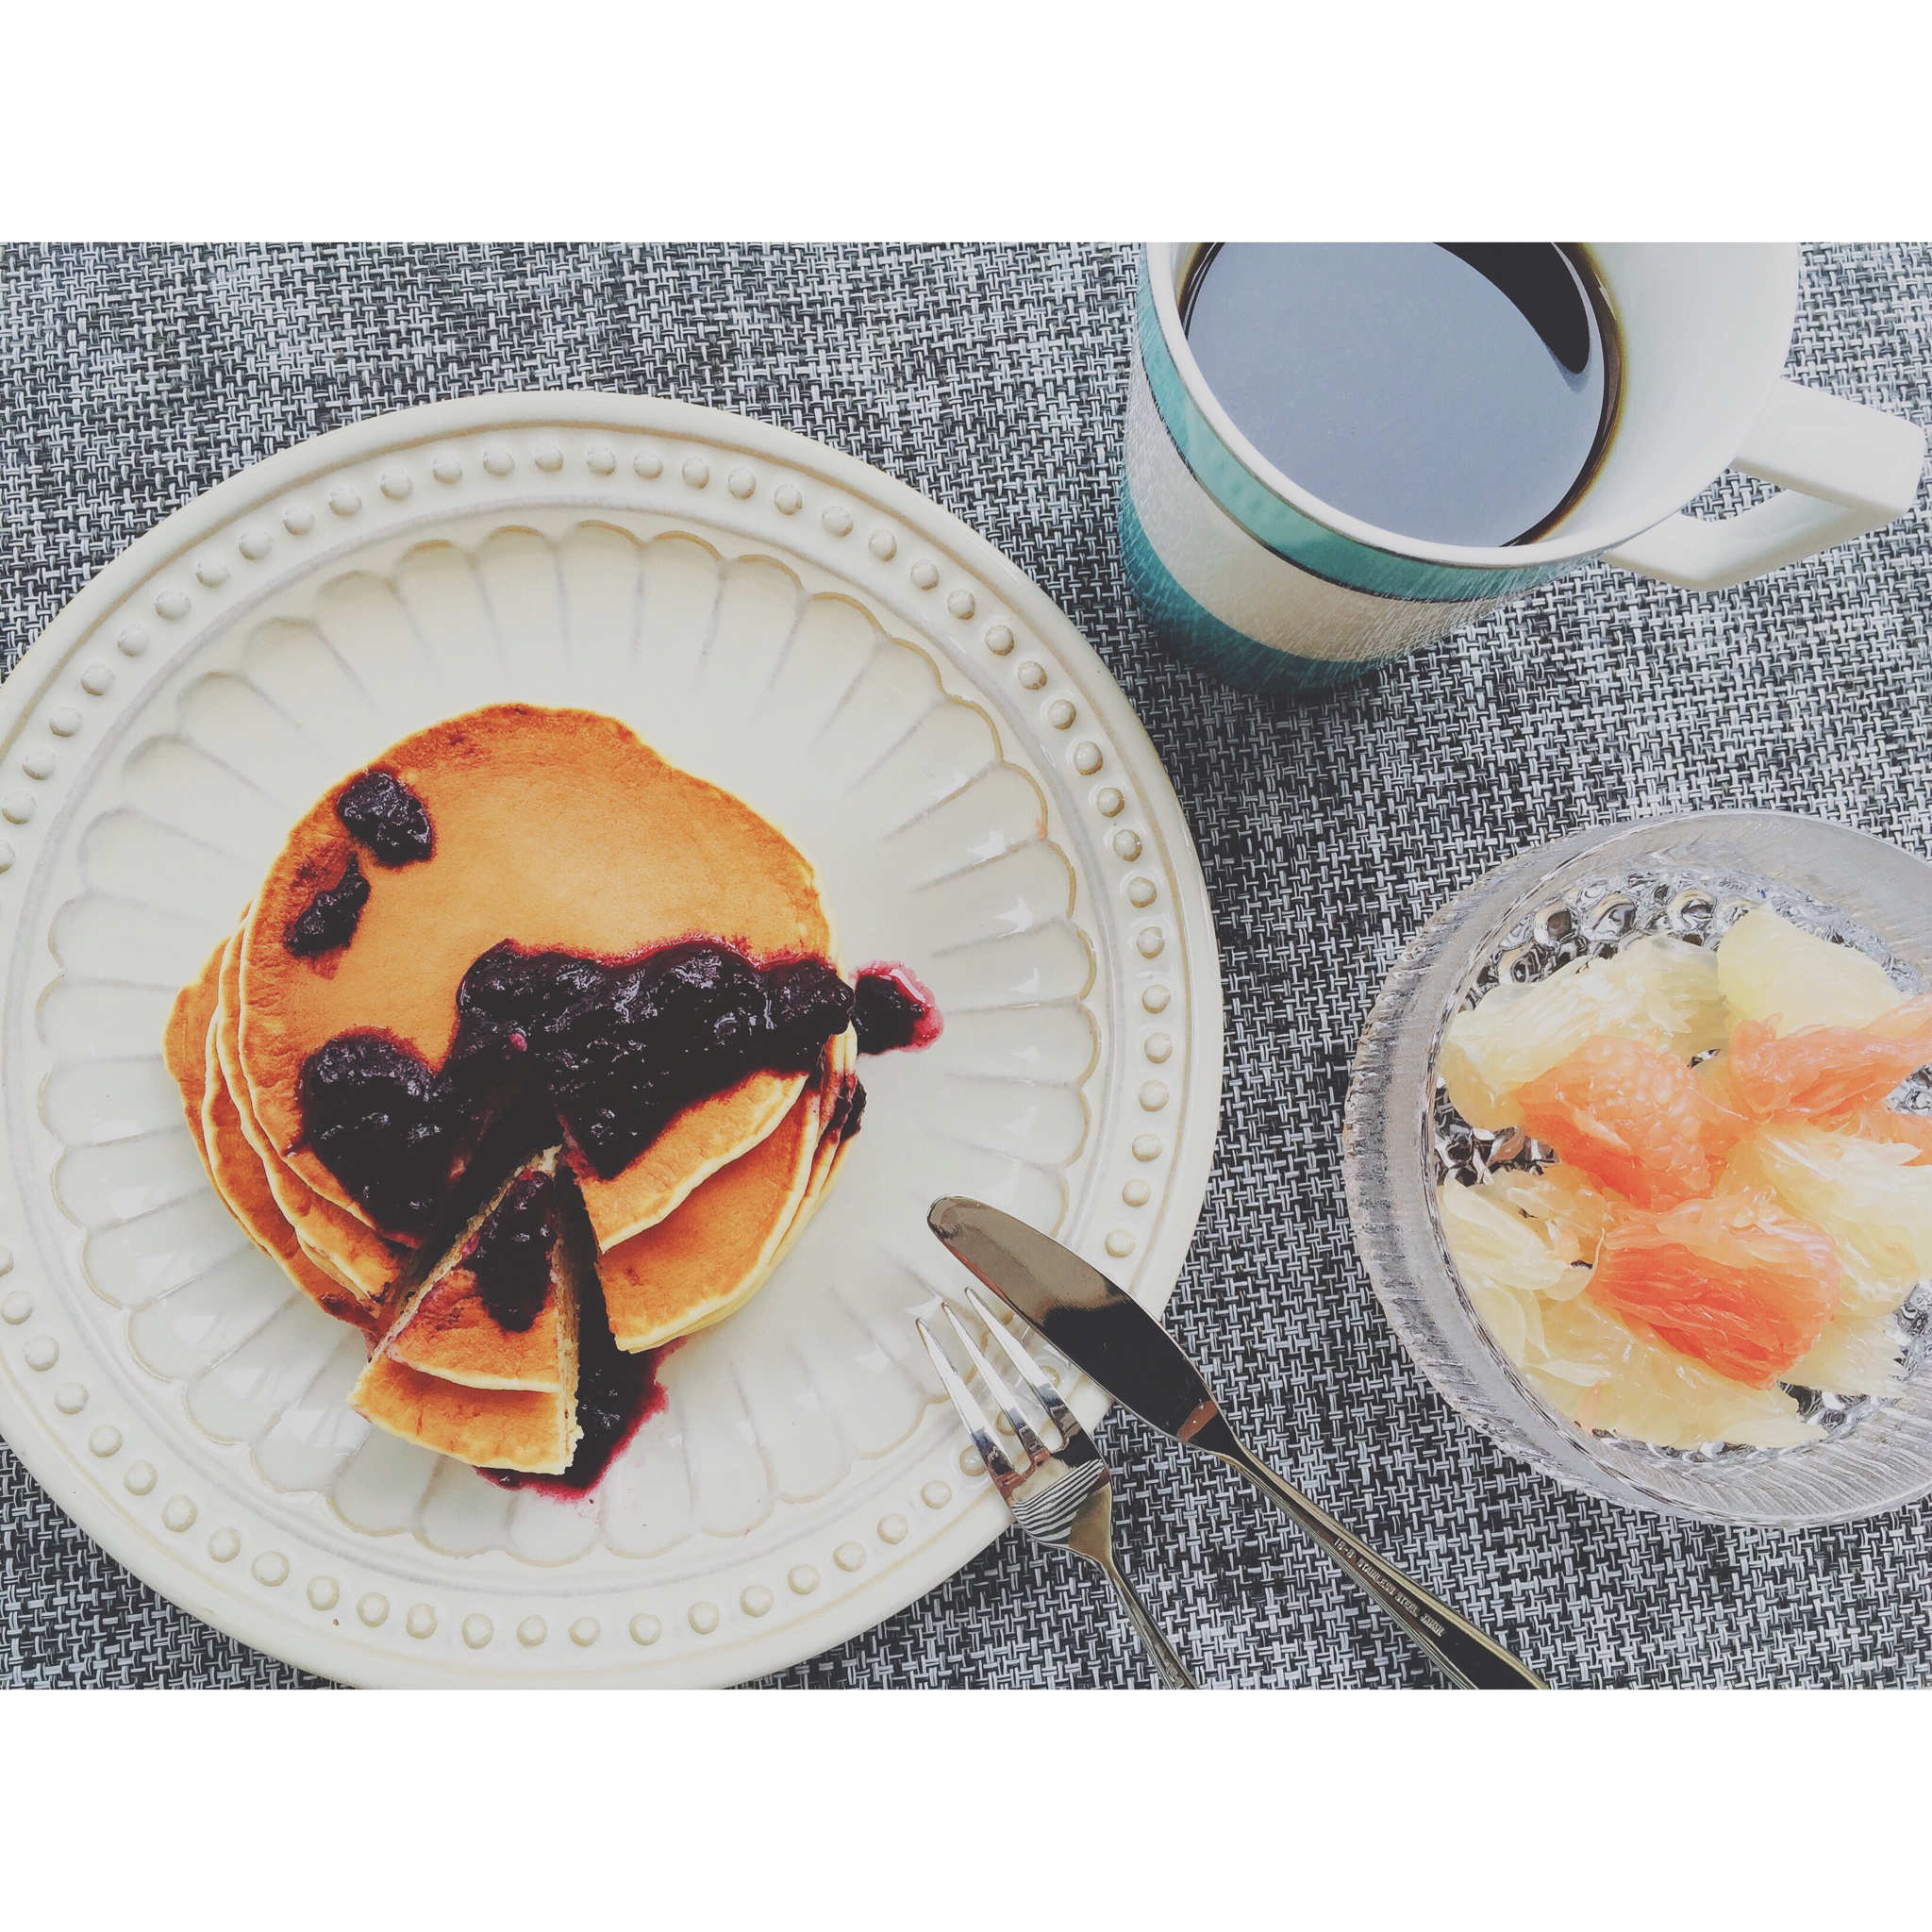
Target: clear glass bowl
[1691, 875]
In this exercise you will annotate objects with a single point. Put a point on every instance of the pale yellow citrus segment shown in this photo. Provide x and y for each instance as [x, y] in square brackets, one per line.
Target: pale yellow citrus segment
[1601, 1377]
[1575, 1216]
[1768, 968]
[1856, 1356]
[1494, 1242]
[1868, 1195]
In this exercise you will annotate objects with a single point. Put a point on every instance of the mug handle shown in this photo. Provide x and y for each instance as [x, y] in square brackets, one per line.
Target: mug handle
[1842, 469]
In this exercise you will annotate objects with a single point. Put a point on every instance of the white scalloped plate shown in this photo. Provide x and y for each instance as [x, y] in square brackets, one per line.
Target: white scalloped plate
[859, 666]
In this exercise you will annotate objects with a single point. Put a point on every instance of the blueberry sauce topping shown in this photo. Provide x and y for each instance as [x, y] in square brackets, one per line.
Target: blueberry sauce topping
[892, 1012]
[382, 812]
[327, 922]
[379, 1120]
[621, 1048]
[847, 1110]
[617, 1048]
[509, 1255]
[615, 1392]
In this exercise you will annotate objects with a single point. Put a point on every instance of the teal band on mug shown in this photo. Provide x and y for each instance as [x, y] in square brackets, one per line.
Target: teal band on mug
[1194, 632]
[1284, 529]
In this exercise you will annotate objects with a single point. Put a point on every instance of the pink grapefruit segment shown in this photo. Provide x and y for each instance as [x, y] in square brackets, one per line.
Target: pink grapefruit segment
[1736, 1283]
[1826, 1072]
[1888, 1127]
[1633, 1118]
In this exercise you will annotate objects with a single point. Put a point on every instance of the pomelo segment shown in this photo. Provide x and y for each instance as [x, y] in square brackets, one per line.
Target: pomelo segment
[1736, 1283]
[1633, 1118]
[1600, 1375]
[1874, 1199]
[1770, 970]
[1857, 1354]
[1518, 1252]
[1506, 1267]
[1891, 1127]
[1494, 1243]
[1657, 988]
[1909, 1022]
[1571, 1215]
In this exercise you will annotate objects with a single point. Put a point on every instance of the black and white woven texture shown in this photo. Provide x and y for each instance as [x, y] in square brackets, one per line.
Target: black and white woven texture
[994, 380]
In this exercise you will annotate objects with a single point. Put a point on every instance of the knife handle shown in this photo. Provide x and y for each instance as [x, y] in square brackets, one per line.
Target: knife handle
[1471, 1660]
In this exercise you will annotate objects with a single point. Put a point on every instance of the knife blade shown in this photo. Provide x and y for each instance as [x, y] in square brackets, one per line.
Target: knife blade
[1108, 1335]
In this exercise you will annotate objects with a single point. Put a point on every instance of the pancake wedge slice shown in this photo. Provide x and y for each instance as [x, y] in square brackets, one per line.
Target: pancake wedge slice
[482, 1363]
[459, 1328]
[524, 1429]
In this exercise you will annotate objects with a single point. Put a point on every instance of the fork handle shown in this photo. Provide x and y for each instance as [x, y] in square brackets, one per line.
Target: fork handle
[1173, 1674]
[1471, 1660]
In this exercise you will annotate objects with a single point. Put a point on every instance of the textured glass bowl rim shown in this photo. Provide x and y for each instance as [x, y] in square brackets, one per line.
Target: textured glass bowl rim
[1881, 1463]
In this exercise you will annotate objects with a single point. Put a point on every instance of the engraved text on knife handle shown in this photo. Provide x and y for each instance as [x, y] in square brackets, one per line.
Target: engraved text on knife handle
[1470, 1659]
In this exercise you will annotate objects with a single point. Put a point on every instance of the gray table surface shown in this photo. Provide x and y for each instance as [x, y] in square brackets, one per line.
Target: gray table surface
[132, 379]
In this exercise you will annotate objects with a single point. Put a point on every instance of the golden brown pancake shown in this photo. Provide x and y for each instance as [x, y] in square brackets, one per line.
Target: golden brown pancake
[332, 1238]
[316, 1254]
[559, 830]
[452, 1377]
[448, 1331]
[833, 1143]
[240, 1180]
[497, 1428]
[719, 1243]
[835, 1117]
[231, 1163]
[184, 1042]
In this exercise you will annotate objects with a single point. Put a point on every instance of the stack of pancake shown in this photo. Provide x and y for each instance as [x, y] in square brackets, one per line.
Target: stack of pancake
[560, 833]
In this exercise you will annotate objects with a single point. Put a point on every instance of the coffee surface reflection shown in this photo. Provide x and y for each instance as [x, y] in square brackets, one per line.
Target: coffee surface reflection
[1459, 392]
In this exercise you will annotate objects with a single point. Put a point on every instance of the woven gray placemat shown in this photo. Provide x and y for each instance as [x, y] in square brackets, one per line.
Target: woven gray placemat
[993, 380]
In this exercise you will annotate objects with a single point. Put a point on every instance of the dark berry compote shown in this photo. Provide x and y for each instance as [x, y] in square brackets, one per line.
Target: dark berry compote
[378, 810]
[617, 1048]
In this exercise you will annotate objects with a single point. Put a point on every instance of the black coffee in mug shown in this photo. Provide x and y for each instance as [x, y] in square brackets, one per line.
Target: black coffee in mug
[1454, 393]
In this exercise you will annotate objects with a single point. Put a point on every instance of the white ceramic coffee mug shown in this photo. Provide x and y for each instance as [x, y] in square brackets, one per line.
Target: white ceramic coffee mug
[1258, 581]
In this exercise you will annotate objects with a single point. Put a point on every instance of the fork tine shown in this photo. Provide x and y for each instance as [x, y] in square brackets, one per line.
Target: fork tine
[1000, 1471]
[1044, 1391]
[1036, 1451]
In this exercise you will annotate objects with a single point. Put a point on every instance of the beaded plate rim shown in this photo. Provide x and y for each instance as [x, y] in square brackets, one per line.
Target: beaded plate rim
[931, 580]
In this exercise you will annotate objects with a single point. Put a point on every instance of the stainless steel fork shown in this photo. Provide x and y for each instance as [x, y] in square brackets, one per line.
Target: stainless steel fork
[1063, 1496]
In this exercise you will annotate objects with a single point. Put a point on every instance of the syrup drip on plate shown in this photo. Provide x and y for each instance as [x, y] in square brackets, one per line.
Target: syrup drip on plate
[617, 1394]
[893, 1011]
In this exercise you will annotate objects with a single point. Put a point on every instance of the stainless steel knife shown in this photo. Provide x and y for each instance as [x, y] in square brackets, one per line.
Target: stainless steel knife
[1108, 1333]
